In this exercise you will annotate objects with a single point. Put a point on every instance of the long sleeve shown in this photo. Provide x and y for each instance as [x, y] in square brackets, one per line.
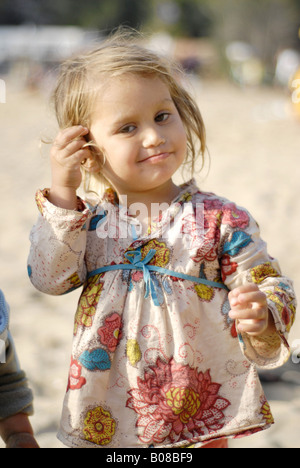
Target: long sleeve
[244, 259]
[15, 395]
[58, 241]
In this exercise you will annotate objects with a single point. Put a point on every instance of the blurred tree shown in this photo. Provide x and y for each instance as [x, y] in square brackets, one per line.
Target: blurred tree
[268, 25]
[99, 14]
[109, 14]
[190, 18]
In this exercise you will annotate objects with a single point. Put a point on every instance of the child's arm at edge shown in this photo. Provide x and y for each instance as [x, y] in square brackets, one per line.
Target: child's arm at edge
[16, 432]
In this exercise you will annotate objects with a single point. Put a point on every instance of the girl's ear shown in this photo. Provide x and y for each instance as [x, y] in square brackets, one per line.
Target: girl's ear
[96, 160]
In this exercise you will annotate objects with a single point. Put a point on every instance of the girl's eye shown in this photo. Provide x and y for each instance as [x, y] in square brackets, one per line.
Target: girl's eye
[162, 117]
[127, 129]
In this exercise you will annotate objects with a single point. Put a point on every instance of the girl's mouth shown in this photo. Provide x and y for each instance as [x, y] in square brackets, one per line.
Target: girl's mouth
[156, 158]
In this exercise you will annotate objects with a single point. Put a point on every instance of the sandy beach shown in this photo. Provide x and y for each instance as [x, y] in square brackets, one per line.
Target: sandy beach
[253, 141]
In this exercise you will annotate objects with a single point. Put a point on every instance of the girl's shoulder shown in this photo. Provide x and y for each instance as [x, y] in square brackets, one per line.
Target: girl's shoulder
[227, 211]
[211, 200]
[191, 191]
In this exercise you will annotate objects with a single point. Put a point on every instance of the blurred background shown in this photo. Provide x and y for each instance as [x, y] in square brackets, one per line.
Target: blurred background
[242, 63]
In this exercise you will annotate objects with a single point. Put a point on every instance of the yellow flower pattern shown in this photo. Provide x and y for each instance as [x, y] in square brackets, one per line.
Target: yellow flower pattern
[266, 412]
[184, 402]
[261, 272]
[75, 280]
[88, 303]
[287, 311]
[133, 352]
[205, 293]
[99, 426]
[162, 256]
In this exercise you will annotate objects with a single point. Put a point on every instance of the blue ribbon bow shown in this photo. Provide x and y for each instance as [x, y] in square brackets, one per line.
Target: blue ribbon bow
[136, 263]
[135, 258]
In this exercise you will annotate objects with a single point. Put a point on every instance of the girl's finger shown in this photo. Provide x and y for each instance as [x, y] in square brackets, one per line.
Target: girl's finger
[75, 160]
[67, 135]
[256, 313]
[72, 148]
[251, 327]
[252, 297]
[234, 294]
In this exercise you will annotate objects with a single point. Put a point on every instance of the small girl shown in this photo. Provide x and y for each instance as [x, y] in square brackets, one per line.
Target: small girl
[180, 298]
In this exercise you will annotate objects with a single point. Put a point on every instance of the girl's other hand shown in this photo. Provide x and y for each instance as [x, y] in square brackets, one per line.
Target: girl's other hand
[250, 308]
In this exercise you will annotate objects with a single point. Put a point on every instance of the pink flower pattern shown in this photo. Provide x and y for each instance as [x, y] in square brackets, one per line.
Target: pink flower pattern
[176, 402]
[76, 381]
[111, 333]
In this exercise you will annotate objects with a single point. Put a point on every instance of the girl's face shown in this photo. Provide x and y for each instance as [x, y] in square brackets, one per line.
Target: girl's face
[137, 127]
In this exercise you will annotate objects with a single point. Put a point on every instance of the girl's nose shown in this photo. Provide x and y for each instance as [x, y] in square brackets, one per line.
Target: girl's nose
[152, 138]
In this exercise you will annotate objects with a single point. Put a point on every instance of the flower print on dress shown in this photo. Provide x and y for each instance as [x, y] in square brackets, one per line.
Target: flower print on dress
[162, 256]
[175, 403]
[212, 215]
[286, 308]
[133, 352]
[204, 292]
[227, 267]
[88, 303]
[229, 323]
[76, 381]
[266, 411]
[111, 333]
[40, 201]
[262, 272]
[193, 228]
[208, 250]
[75, 280]
[110, 196]
[235, 217]
[99, 426]
[95, 360]
[239, 240]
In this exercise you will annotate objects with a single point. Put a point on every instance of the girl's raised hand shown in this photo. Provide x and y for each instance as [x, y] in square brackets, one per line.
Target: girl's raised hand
[67, 155]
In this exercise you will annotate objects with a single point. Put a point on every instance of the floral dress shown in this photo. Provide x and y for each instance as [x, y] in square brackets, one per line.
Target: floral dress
[156, 359]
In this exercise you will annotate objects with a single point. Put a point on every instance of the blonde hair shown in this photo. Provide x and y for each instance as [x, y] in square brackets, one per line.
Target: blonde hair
[122, 53]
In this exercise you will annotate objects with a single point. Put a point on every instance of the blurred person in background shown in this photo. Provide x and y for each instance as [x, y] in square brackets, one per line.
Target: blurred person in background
[15, 396]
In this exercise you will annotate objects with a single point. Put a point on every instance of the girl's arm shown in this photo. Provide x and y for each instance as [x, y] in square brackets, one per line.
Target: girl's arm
[56, 263]
[58, 240]
[67, 154]
[262, 299]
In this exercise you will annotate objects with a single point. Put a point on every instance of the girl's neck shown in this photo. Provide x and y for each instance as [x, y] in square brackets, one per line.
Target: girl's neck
[163, 194]
[145, 206]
